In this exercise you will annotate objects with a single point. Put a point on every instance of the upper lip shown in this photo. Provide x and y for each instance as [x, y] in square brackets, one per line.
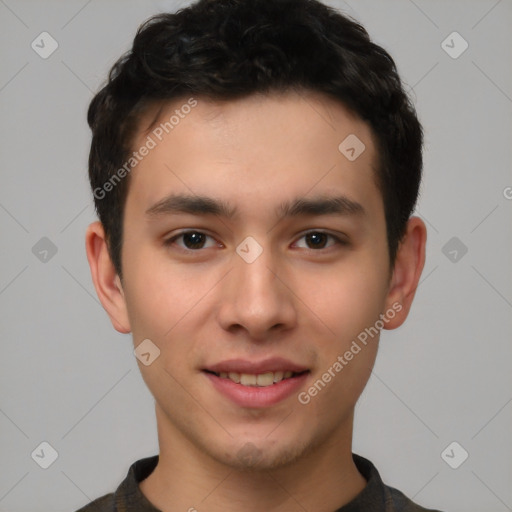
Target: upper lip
[274, 364]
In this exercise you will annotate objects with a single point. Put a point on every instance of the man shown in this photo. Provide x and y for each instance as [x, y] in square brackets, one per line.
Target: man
[255, 165]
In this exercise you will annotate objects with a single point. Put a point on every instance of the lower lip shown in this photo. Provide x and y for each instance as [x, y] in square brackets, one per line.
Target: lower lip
[254, 396]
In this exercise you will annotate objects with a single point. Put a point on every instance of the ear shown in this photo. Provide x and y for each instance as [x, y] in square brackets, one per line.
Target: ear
[407, 270]
[106, 281]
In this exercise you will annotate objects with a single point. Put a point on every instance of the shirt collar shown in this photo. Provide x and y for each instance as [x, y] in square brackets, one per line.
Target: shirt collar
[374, 496]
[128, 495]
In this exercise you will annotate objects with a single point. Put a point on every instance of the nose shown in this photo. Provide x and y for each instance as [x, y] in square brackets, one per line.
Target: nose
[257, 299]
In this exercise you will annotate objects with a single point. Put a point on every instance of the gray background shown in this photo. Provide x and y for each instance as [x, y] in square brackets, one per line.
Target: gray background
[67, 378]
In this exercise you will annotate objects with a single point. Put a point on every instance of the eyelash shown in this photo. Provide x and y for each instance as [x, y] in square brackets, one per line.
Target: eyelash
[171, 240]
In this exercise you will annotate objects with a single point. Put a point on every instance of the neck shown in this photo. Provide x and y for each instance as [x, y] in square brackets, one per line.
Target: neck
[322, 479]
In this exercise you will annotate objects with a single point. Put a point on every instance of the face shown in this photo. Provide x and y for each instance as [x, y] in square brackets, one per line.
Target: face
[275, 260]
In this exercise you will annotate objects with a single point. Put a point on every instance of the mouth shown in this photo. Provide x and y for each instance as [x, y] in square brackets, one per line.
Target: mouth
[260, 380]
[256, 384]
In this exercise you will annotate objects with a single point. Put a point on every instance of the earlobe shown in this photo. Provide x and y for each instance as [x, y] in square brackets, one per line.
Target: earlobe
[104, 276]
[407, 270]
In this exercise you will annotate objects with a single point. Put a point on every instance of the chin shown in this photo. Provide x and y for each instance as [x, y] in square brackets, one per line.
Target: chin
[262, 454]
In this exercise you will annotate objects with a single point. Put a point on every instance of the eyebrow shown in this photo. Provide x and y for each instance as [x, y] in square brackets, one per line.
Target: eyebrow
[203, 205]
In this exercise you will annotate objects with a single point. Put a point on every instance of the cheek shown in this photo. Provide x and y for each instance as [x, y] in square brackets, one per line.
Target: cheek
[165, 305]
[157, 294]
[349, 301]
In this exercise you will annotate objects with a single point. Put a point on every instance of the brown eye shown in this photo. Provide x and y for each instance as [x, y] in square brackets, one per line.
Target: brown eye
[192, 240]
[318, 240]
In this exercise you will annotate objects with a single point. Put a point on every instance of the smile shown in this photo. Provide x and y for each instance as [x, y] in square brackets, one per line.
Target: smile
[261, 390]
[257, 380]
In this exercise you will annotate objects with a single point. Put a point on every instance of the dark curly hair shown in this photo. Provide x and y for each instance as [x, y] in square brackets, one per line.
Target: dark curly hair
[228, 49]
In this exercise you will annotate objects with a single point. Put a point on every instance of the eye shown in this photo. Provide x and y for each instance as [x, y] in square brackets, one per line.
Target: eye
[318, 239]
[192, 240]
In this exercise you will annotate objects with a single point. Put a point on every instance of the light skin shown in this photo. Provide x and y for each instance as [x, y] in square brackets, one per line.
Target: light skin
[305, 298]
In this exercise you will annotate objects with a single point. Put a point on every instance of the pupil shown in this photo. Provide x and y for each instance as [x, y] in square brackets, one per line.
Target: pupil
[194, 239]
[317, 237]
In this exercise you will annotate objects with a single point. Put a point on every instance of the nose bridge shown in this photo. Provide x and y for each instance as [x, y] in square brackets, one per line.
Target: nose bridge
[257, 299]
[256, 275]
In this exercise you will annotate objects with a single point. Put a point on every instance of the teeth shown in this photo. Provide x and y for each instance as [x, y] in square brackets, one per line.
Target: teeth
[260, 380]
[278, 376]
[248, 380]
[265, 379]
[234, 377]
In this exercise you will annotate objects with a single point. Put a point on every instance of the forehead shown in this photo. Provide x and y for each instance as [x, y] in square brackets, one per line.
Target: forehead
[312, 111]
[261, 147]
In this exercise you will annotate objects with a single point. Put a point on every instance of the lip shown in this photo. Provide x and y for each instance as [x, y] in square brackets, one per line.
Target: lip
[254, 396]
[273, 364]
